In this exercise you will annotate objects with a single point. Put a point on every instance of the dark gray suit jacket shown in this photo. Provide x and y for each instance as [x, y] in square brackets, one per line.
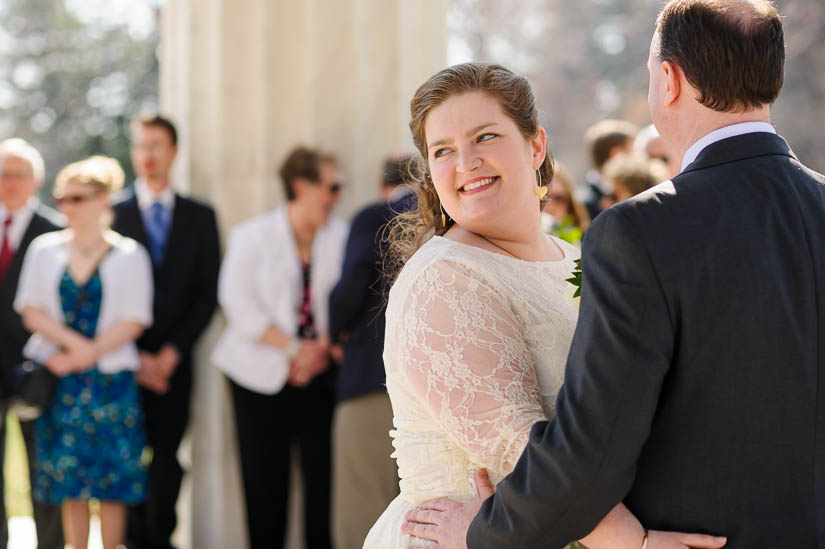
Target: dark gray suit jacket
[13, 335]
[695, 386]
[186, 280]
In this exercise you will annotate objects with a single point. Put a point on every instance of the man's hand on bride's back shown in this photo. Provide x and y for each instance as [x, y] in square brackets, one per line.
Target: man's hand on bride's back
[445, 521]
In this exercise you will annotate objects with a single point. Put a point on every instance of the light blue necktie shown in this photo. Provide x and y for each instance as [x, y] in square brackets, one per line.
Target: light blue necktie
[157, 225]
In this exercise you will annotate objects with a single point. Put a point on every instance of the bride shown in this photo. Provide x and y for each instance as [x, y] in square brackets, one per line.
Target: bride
[481, 317]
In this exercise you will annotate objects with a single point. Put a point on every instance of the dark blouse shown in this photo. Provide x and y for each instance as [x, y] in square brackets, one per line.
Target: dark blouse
[306, 320]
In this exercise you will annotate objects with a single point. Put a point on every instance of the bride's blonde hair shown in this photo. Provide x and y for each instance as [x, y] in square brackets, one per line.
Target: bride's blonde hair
[409, 231]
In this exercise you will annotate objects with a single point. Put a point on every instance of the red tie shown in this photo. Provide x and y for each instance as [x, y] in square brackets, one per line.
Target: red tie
[5, 250]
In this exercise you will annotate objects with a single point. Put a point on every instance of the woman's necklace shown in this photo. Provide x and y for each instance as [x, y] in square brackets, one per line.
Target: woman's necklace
[87, 251]
[505, 252]
[303, 244]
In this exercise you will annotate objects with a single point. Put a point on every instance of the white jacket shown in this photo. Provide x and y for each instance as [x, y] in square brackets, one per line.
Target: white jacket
[261, 283]
[126, 278]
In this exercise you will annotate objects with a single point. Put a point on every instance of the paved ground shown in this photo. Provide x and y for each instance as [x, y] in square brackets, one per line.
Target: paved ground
[22, 535]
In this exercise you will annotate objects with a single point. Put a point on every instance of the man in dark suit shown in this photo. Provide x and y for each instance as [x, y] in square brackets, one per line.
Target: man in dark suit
[181, 236]
[695, 386]
[22, 218]
[362, 467]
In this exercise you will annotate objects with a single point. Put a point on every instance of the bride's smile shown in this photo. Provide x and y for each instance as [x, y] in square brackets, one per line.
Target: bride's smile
[477, 185]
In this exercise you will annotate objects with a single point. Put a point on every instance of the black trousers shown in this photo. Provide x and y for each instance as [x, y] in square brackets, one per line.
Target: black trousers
[268, 426]
[47, 519]
[151, 523]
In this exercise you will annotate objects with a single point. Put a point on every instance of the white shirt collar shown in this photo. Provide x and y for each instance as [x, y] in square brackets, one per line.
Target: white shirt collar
[146, 196]
[723, 133]
[19, 222]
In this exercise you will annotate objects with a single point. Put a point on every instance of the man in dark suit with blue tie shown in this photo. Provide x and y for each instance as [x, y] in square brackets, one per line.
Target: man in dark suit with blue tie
[22, 218]
[362, 467]
[181, 236]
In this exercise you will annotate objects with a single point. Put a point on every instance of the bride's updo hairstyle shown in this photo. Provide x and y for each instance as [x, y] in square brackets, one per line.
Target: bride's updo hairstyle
[411, 230]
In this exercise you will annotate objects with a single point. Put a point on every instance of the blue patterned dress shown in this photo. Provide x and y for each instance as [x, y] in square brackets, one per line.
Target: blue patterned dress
[90, 440]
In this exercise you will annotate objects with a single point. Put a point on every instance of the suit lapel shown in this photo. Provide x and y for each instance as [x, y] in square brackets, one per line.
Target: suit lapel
[37, 226]
[132, 221]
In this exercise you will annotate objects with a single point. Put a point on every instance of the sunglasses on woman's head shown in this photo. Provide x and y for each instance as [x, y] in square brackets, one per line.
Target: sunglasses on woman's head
[74, 198]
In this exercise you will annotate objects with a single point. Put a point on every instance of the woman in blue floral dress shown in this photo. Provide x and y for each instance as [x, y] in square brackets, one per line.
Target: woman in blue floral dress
[86, 295]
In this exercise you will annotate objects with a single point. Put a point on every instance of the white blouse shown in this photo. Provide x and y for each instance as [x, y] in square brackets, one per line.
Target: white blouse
[125, 275]
[261, 284]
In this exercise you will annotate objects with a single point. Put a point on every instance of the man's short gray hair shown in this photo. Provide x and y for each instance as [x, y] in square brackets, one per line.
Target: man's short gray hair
[21, 148]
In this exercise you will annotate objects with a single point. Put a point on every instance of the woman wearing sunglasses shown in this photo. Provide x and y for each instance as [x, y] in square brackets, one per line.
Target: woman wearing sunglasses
[274, 289]
[86, 295]
[563, 215]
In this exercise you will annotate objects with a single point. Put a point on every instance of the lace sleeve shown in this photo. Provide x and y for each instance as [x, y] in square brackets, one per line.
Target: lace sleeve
[467, 361]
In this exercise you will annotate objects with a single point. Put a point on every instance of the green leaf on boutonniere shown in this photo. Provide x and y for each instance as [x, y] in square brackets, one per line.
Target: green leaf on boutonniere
[576, 280]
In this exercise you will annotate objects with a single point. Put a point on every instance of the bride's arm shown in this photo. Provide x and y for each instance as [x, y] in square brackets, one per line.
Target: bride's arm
[621, 530]
[617, 530]
[464, 356]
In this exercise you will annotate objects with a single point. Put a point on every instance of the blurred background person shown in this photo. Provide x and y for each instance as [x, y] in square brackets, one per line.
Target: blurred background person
[363, 470]
[86, 294]
[181, 236]
[605, 139]
[563, 215]
[22, 218]
[274, 289]
[633, 174]
[648, 142]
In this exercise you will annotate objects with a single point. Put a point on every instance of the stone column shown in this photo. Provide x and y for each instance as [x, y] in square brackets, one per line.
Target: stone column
[246, 80]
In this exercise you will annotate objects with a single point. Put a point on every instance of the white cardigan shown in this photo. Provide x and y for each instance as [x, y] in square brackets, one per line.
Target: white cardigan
[126, 278]
[261, 283]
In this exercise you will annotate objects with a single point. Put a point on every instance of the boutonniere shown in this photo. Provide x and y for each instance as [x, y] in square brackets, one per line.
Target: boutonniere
[576, 279]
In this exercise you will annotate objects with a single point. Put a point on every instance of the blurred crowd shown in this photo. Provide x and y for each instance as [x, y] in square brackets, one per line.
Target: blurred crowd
[111, 293]
[625, 161]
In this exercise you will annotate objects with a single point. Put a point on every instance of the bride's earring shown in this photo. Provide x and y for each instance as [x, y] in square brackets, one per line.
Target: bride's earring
[443, 215]
[540, 189]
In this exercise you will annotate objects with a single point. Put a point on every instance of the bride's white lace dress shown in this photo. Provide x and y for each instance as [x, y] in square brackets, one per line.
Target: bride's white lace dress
[475, 350]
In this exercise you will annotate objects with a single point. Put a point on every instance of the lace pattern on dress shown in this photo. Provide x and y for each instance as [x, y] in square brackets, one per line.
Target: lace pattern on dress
[464, 357]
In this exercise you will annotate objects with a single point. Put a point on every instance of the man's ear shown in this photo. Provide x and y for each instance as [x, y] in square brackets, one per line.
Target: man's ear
[673, 83]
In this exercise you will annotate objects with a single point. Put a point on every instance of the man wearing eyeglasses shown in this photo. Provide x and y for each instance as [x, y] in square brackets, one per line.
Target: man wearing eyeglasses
[181, 236]
[22, 218]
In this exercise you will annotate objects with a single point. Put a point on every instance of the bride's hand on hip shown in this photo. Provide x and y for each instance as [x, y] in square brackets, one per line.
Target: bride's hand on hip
[657, 539]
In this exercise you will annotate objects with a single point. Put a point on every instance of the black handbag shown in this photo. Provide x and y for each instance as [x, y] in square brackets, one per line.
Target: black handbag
[33, 386]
